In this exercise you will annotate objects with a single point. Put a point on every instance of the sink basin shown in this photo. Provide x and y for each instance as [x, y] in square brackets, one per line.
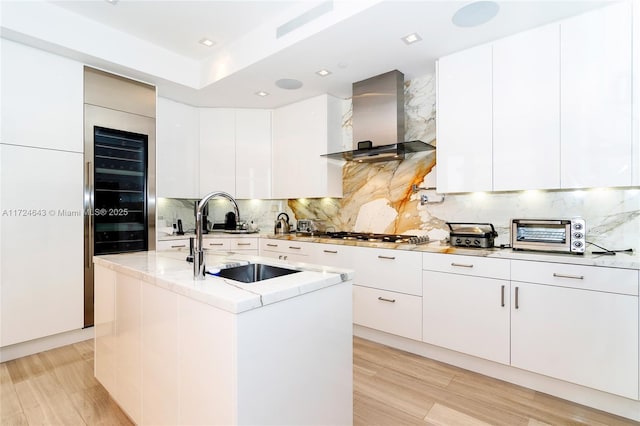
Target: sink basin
[254, 272]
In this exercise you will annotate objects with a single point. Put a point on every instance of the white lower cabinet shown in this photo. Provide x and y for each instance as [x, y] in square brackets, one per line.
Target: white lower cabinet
[388, 311]
[336, 255]
[182, 243]
[387, 296]
[293, 251]
[466, 314]
[580, 335]
[465, 305]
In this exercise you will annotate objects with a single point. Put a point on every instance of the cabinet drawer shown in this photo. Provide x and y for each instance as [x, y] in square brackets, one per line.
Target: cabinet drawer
[386, 269]
[611, 280]
[388, 311]
[180, 244]
[333, 255]
[243, 244]
[286, 247]
[466, 265]
[215, 244]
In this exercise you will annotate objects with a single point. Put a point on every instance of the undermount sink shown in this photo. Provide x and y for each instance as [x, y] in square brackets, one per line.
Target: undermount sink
[253, 272]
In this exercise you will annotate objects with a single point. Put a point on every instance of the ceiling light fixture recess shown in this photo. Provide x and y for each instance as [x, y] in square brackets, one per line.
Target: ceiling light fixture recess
[476, 13]
[323, 72]
[289, 83]
[112, 1]
[262, 93]
[205, 41]
[411, 38]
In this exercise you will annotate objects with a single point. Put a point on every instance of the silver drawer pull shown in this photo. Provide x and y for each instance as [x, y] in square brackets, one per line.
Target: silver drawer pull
[502, 296]
[244, 244]
[517, 298]
[294, 248]
[575, 277]
[463, 265]
[387, 257]
[179, 246]
[386, 300]
[331, 251]
[216, 244]
[272, 245]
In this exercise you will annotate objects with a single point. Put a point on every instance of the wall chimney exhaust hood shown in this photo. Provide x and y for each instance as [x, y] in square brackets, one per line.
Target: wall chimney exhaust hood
[378, 121]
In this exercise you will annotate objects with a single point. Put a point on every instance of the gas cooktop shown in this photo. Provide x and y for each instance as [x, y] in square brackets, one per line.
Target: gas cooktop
[381, 238]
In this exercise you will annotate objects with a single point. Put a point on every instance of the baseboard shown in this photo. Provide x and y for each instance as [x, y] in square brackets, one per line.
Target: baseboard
[599, 400]
[7, 353]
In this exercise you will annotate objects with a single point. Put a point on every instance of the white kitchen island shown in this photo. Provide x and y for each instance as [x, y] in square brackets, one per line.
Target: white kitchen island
[173, 350]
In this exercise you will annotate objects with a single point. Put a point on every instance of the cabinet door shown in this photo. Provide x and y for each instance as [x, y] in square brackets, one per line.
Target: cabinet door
[526, 110]
[464, 121]
[253, 153]
[217, 151]
[41, 270]
[466, 314]
[581, 336]
[597, 98]
[302, 132]
[42, 99]
[177, 141]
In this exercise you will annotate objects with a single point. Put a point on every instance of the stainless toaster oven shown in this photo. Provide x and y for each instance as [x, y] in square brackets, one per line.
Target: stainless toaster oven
[558, 235]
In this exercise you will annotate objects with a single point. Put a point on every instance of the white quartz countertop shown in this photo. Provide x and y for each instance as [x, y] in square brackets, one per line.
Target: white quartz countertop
[170, 270]
[619, 260]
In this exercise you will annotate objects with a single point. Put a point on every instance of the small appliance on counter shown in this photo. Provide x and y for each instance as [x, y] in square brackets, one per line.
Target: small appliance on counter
[282, 225]
[230, 221]
[478, 235]
[557, 235]
[311, 227]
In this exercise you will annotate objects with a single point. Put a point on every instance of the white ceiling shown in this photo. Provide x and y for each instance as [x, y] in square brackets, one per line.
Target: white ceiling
[355, 46]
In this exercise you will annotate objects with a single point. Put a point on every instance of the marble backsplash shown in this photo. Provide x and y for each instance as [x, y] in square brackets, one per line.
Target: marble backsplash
[262, 212]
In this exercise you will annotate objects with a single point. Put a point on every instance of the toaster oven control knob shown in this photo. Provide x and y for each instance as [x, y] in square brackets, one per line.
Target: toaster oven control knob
[577, 235]
[577, 226]
[577, 244]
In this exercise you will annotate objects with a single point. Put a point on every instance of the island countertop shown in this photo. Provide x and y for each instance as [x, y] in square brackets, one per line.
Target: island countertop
[170, 270]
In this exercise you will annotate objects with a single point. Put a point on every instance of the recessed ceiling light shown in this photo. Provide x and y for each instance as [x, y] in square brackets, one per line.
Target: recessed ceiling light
[323, 72]
[475, 14]
[411, 38]
[207, 42]
[289, 83]
[262, 93]
[112, 1]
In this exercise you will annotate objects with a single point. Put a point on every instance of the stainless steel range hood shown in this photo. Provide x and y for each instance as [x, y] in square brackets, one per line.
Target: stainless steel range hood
[378, 121]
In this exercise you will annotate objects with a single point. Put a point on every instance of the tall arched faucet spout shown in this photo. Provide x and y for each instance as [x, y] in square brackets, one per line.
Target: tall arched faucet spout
[198, 252]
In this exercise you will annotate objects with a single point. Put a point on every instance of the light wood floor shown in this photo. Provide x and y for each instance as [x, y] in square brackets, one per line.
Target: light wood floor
[391, 387]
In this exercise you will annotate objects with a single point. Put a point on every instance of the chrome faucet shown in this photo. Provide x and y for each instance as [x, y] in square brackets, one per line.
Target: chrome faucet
[198, 252]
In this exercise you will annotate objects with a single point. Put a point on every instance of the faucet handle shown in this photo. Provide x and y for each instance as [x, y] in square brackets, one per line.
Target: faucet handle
[190, 256]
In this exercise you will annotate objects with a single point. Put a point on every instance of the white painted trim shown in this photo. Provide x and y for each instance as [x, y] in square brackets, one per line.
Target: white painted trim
[7, 353]
[614, 404]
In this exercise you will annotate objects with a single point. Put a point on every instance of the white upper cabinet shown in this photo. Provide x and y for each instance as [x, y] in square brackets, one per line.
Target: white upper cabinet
[464, 121]
[554, 108]
[235, 152]
[302, 132]
[526, 110]
[178, 139]
[42, 99]
[596, 84]
[253, 153]
[217, 151]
